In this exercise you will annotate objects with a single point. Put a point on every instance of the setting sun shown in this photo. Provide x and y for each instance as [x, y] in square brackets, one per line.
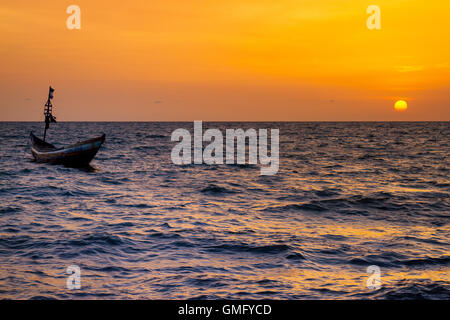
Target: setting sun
[401, 105]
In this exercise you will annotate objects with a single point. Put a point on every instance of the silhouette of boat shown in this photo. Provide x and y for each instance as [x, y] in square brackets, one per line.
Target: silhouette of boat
[79, 154]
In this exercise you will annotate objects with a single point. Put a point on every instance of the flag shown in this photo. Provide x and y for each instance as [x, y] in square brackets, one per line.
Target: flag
[50, 93]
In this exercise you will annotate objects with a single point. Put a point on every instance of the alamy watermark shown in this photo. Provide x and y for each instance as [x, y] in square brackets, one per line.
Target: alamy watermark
[74, 20]
[374, 280]
[374, 20]
[74, 279]
[213, 153]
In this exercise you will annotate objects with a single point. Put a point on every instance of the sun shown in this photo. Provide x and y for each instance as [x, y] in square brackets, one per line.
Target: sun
[401, 105]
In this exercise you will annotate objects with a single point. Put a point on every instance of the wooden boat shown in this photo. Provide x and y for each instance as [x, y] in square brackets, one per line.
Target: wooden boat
[79, 154]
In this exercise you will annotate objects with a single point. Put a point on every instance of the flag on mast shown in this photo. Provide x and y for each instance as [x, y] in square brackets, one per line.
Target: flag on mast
[49, 117]
[50, 93]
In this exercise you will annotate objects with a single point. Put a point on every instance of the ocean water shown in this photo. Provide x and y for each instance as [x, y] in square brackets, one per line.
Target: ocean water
[347, 196]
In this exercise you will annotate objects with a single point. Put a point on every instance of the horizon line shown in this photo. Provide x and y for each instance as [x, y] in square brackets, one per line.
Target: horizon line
[261, 121]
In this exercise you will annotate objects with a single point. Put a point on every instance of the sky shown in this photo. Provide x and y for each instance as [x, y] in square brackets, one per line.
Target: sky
[234, 60]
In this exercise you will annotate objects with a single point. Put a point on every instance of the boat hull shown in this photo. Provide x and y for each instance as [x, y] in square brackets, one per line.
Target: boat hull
[77, 155]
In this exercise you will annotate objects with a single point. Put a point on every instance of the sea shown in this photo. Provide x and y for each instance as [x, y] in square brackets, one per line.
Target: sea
[357, 210]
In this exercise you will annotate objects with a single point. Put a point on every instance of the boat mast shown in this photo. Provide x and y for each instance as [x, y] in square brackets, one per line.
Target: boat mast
[48, 111]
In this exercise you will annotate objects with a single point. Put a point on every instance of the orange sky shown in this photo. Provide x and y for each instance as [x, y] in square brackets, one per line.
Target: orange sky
[303, 60]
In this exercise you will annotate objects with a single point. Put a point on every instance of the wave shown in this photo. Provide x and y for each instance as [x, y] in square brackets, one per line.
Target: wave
[396, 260]
[381, 201]
[145, 148]
[296, 256]
[243, 247]
[214, 189]
[97, 239]
[297, 207]
[10, 210]
[413, 290]
[440, 261]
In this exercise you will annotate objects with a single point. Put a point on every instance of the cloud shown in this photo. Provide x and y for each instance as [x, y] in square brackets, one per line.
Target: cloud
[409, 68]
[444, 65]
